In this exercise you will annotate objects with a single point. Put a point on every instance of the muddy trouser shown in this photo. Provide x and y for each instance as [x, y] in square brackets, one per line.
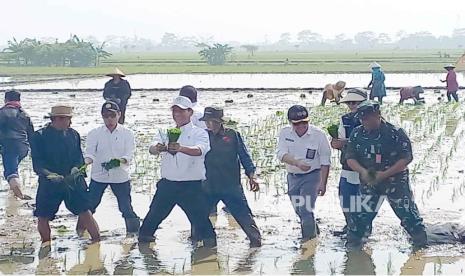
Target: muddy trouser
[347, 194]
[122, 191]
[186, 194]
[122, 107]
[453, 94]
[303, 191]
[400, 197]
[236, 202]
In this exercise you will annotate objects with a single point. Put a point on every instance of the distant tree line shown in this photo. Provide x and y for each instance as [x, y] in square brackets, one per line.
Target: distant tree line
[302, 41]
[74, 52]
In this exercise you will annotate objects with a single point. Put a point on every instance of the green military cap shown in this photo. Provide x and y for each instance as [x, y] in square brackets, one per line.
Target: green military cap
[367, 107]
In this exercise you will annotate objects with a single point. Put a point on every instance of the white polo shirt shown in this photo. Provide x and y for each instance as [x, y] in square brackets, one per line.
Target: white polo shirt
[313, 147]
[352, 177]
[197, 114]
[103, 145]
[182, 167]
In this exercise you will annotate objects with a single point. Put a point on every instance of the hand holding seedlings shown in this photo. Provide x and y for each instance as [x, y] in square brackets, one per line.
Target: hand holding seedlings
[157, 149]
[54, 177]
[174, 147]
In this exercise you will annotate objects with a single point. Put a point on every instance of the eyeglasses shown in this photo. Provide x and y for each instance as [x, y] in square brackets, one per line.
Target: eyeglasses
[109, 115]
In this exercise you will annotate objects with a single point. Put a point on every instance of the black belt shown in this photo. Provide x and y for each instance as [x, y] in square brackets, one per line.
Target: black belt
[302, 174]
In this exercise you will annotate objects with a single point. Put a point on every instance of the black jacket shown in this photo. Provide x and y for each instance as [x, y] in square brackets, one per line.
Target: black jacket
[120, 90]
[15, 127]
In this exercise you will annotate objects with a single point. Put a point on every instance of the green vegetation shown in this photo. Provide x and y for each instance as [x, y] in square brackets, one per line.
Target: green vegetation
[75, 52]
[260, 62]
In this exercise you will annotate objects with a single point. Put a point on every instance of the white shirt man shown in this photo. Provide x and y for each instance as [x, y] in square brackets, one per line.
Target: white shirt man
[306, 152]
[182, 172]
[190, 92]
[110, 150]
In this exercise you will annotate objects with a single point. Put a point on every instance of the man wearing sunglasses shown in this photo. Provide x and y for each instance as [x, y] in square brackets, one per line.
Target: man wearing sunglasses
[380, 153]
[305, 150]
[110, 149]
[349, 182]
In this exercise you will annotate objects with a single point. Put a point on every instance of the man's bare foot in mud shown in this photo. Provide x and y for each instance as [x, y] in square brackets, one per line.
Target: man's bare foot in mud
[45, 249]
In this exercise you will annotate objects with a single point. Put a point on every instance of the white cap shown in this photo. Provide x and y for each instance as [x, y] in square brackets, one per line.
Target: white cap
[182, 102]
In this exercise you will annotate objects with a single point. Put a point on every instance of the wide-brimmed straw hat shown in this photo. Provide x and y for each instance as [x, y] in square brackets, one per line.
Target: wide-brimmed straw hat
[61, 111]
[449, 66]
[116, 72]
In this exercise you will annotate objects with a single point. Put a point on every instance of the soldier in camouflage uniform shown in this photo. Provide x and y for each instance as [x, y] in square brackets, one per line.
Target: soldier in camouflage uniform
[380, 153]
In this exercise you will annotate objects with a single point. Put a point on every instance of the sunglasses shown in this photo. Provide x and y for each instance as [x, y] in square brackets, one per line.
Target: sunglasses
[300, 123]
[109, 115]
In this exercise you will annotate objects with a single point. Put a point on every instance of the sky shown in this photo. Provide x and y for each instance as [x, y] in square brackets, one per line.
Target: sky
[236, 20]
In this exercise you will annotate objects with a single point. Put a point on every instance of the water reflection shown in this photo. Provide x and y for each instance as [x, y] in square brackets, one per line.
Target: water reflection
[93, 263]
[305, 264]
[359, 262]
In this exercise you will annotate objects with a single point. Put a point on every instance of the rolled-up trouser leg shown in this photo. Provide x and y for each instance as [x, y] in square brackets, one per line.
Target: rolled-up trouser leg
[303, 191]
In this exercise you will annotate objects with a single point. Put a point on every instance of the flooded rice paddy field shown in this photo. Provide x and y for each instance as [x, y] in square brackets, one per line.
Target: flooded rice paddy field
[436, 129]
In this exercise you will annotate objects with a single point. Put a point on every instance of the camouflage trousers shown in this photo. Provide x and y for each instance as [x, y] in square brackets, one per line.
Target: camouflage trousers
[398, 193]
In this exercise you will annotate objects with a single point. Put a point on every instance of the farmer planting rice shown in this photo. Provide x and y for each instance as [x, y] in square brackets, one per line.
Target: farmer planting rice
[110, 150]
[222, 164]
[56, 157]
[305, 150]
[376, 85]
[451, 83]
[333, 92]
[349, 182]
[16, 131]
[380, 153]
[182, 172]
[118, 90]
[411, 93]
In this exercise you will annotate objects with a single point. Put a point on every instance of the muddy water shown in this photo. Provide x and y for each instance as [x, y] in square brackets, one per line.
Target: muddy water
[148, 81]
[437, 180]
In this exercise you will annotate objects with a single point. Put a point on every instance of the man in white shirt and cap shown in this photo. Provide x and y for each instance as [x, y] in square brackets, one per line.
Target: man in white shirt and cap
[182, 172]
[190, 92]
[110, 150]
[305, 150]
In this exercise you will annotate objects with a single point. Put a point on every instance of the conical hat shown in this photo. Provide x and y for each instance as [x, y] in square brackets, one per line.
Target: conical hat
[375, 65]
[116, 71]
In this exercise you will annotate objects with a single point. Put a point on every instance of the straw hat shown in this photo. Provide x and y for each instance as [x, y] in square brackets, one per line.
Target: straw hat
[354, 95]
[61, 110]
[375, 65]
[116, 72]
[449, 66]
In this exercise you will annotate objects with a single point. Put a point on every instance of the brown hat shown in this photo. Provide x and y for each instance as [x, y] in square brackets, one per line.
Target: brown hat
[61, 110]
[116, 72]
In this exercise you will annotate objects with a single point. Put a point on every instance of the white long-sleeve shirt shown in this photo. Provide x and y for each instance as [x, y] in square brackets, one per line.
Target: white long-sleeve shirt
[183, 167]
[197, 114]
[313, 147]
[103, 145]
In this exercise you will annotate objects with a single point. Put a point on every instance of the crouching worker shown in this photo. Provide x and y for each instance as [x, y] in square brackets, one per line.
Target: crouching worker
[110, 149]
[56, 157]
[412, 93]
[222, 162]
[182, 172]
[333, 92]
